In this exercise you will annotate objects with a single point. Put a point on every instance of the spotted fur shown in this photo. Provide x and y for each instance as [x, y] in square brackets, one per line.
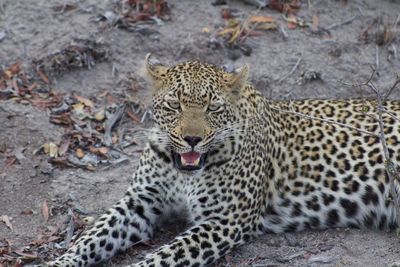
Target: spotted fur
[266, 170]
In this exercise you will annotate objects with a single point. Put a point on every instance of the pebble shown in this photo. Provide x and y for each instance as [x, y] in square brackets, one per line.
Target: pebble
[2, 36]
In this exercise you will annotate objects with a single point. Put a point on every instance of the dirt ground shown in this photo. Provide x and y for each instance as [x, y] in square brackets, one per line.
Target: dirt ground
[283, 64]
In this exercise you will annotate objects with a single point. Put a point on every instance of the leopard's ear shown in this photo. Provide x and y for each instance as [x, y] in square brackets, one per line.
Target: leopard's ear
[236, 80]
[156, 71]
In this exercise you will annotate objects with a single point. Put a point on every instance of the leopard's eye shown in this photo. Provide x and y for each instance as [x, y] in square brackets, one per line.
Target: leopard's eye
[214, 107]
[174, 105]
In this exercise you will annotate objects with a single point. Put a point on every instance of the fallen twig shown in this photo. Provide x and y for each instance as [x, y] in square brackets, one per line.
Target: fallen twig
[390, 166]
[388, 93]
[347, 21]
[391, 114]
[394, 28]
[111, 123]
[284, 33]
[292, 70]
[70, 229]
[377, 58]
[246, 22]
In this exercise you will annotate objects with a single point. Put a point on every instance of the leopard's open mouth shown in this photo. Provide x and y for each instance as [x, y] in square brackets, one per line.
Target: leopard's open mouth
[189, 161]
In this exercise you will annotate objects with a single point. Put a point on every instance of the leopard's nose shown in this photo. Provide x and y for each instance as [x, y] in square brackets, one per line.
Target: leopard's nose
[192, 140]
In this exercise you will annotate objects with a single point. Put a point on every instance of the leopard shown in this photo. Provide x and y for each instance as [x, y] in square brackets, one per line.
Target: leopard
[237, 165]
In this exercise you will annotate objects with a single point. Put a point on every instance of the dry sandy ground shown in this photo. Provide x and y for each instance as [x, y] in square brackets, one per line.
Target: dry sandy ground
[33, 29]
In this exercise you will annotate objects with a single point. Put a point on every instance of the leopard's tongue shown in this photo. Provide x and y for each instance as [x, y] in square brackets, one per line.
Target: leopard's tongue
[190, 159]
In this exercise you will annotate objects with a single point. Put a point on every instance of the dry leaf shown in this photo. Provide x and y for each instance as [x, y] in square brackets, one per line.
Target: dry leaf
[64, 147]
[261, 19]
[133, 116]
[87, 102]
[12, 70]
[103, 94]
[63, 8]
[5, 219]
[45, 211]
[10, 160]
[103, 150]
[81, 112]
[26, 255]
[19, 263]
[51, 149]
[42, 75]
[228, 31]
[235, 35]
[79, 153]
[291, 25]
[100, 116]
[205, 30]
[78, 108]
[114, 139]
[26, 212]
[293, 22]
[226, 13]
[287, 8]
[266, 27]
[99, 150]
[63, 119]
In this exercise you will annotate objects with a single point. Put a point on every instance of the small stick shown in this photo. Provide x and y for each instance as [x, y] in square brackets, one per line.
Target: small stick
[360, 10]
[392, 88]
[292, 70]
[390, 166]
[347, 21]
[111, 123]
[113, 70]
[248, 32]
[377, 58]
[144, 116]
[70, 229]
[391, 114]
[283, 32]
[245, 23]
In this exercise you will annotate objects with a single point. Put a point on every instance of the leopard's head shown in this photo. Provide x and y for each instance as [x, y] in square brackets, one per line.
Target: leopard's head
[195, 106]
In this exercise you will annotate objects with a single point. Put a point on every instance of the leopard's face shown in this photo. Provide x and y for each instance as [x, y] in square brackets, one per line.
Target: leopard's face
[194, 106]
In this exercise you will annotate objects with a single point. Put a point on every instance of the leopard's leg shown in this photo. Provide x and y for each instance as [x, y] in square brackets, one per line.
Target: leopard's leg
[130, 221]
[201, 245]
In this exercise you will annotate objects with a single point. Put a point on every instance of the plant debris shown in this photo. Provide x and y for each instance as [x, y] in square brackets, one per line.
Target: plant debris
[286, 7]
[310, 76]
[64, 8]
[380, 32]
[17, 84]
[45, 211]
[239, 27]
[96, 130]
[93, 135]
[7, 221]
[52, 242]
[237, 31]
[293, 22]
[136, 15]
[81, 53]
